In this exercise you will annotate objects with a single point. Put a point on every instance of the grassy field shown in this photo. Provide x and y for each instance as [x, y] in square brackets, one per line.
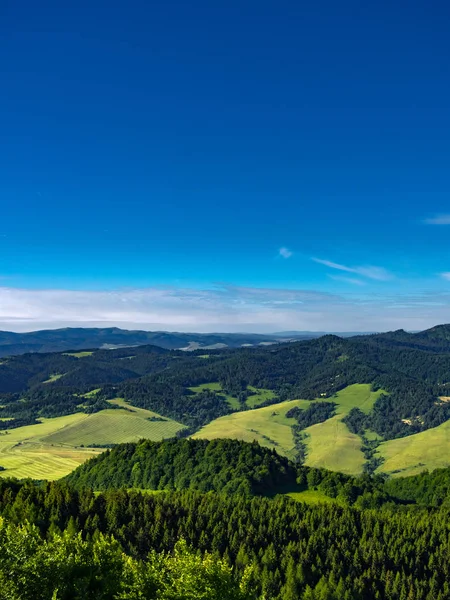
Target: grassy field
[268, 425]
[410, 455]
[25, 453]
[78, 354]
[53, 448]
[259, 396]
[330, 444]
[114, 427]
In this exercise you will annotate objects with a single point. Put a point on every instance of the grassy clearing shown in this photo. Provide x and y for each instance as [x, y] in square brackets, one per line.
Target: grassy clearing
[54, 377]
[91, 393]
[25, 453]
[78, 354]
[217, 387]
[312, 497]
[259, 396]
[331, 446]
[268, 425]
[410, 455]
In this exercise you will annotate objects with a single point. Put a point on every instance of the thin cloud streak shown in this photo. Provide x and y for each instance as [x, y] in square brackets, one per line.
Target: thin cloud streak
[438, 220]
[377, 273]
[347, 280]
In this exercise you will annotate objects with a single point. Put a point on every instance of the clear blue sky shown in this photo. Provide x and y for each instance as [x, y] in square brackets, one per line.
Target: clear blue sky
[171, 149]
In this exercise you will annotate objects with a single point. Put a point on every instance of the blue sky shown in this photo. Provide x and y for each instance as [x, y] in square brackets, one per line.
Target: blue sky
[225, 165]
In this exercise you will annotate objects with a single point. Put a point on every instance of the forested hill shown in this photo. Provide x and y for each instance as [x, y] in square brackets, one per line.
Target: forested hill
[228, 466]
[222, 465]
[412, 369]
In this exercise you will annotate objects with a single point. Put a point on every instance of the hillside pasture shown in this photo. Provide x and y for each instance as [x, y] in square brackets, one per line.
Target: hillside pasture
[25, 453]
[268, 425]
[54, 447]
[116, 426]
[329, 444]
[411, 455]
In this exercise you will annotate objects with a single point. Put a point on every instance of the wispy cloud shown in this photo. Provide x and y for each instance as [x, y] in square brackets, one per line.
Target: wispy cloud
[350, 280]
[285, 252]
[438, 220]
[446, 275]
[377, 273]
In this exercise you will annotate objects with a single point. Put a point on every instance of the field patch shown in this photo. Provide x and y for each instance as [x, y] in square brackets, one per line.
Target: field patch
[79, 354]
[312, 497]
[259, 396]
[54, 377]
[24, 453]
[115, 427]
[330, 444]
[217, 387]
[54, 447]
[411, 455]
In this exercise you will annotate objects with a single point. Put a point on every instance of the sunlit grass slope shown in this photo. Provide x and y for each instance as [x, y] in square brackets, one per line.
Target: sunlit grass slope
[330, 444]
[116, 426]
[410, 455]
[268, 425]
[52, 448]
[25, 453]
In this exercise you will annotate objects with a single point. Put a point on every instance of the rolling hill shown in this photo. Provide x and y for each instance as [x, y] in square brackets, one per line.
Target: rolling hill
[380, 392]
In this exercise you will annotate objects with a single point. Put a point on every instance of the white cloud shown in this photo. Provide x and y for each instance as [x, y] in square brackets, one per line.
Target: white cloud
[222, 308]
[438, 220]
[285, 252]
[446, 275]
[377, 273]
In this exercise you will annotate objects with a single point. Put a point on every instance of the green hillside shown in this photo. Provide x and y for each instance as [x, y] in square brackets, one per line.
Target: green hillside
[329, 444]
[426, 450]
[54, 447]
[268, 425]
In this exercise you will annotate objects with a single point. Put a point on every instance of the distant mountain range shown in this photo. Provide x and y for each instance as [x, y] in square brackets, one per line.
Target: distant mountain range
[81, 338]
[60, 340]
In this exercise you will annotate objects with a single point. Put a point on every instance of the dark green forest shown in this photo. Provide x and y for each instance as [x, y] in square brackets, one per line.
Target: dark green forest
[282, 549]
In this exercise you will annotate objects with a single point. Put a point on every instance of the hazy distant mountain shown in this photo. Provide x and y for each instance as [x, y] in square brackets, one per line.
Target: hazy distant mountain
[59, 340]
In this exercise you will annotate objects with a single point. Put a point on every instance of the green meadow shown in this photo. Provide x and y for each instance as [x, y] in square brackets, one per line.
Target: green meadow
[54, 447]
